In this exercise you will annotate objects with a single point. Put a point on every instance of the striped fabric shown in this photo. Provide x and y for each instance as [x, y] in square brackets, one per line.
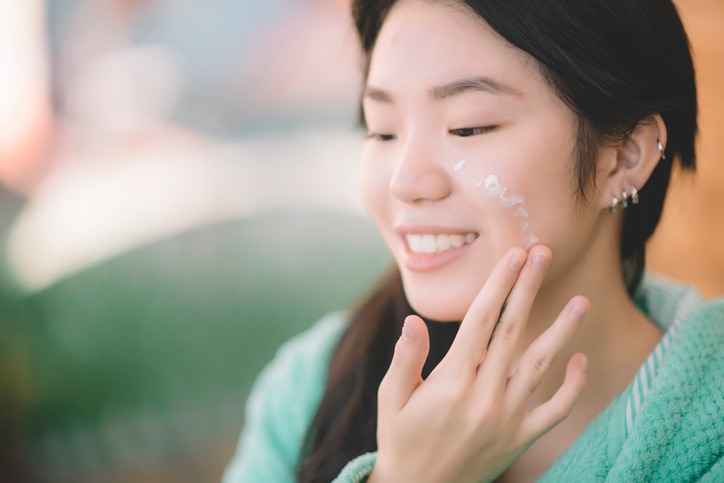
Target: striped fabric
[646, 374]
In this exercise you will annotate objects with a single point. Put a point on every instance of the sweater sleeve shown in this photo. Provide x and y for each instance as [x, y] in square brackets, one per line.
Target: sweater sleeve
[282, 404]
[357, 470]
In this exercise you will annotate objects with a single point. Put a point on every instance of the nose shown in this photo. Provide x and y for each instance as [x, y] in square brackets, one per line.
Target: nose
[419, 174]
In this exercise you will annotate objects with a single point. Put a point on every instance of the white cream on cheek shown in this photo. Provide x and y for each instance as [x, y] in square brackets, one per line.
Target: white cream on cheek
[513, 203]
[460, 166]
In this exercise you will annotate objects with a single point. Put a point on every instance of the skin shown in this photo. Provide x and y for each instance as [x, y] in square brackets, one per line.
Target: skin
[487, 410]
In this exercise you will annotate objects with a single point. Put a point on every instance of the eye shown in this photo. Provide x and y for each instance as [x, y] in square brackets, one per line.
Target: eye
[472, 131]
[381, 136]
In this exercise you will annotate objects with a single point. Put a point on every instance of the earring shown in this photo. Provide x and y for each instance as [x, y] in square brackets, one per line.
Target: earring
[624, 199]
[614, 205]
[661, 150]
[634, 196]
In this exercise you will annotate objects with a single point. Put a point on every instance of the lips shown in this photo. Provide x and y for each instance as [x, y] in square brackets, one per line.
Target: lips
[432, 243]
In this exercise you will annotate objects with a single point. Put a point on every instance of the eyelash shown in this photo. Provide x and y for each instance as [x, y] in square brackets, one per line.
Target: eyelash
[472, 131]
[381, 137]
[461, 132]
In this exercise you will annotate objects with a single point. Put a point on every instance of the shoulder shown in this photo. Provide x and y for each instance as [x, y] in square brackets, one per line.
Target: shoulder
[282, 404]
[666, 301]
[301, 364]
[309, 352]
[679, 425]
[692, 361]
[675, 305]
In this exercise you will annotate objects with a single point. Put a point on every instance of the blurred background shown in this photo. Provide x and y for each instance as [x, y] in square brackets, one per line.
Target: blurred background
[178, 196]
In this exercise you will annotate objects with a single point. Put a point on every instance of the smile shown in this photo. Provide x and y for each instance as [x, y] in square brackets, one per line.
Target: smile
[428, 244]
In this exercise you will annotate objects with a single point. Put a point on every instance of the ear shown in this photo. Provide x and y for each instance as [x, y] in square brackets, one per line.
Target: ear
[630, 164]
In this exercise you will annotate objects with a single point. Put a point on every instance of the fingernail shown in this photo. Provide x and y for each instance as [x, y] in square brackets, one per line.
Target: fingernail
[578, 309]
[517, 261]
[541, 261]
[407, 332]
[583, 361]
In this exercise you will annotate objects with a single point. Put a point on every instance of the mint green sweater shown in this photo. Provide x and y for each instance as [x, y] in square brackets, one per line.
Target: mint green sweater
[668, 425]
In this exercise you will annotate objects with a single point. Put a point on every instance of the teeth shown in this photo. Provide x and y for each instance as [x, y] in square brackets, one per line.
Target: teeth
[443, 243]
[429, 244]
[457, 240]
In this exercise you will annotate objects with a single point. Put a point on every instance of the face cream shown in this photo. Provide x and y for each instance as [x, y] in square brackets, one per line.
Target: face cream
[514, 203]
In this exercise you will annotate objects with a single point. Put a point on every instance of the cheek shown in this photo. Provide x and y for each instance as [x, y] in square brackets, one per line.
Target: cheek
[506, 208]
[369, 181]
[558, 218]
[374, 188]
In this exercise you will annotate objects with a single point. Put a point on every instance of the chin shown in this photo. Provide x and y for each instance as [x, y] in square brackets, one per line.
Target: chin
[449, 304]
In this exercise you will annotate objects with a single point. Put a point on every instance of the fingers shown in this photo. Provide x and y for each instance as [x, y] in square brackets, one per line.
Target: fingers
[535, 361]
[405, 372]
[543, 418]
[504, 344]
[472, 339]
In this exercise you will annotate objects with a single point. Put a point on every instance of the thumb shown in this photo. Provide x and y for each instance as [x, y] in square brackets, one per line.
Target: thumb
[405, 372]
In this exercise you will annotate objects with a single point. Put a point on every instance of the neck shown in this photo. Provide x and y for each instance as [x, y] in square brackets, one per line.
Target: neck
[615, 335]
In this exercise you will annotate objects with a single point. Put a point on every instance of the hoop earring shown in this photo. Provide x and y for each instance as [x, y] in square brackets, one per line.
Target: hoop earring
[661, 150]
[614, 205]
[633, 196]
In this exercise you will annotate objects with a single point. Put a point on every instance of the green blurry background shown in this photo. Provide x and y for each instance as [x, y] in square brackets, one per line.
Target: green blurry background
[136, 369]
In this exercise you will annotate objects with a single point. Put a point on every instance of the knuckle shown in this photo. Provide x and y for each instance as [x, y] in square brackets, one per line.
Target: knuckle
[530, 374]
[508, 331]
[541, 364]
[486, 321]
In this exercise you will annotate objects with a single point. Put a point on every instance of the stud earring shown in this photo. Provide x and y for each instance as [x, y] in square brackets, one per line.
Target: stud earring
[634, 196]
[624, 199]
[661, 150]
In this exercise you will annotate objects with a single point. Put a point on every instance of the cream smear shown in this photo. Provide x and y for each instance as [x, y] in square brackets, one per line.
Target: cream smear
[514, 203]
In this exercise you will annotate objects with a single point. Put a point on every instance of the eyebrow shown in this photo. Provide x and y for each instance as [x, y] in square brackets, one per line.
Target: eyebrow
[461, 86]
[475, 84]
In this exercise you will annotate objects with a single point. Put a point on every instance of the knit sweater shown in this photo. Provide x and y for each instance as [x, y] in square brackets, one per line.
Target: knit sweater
[668, 425]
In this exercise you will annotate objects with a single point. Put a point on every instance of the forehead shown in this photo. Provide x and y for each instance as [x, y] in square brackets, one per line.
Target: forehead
[437, 41]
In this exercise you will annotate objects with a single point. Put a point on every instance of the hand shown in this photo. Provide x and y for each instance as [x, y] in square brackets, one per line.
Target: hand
[467, 422]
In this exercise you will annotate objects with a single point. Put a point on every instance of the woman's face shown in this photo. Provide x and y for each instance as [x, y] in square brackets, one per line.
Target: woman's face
[469, 154]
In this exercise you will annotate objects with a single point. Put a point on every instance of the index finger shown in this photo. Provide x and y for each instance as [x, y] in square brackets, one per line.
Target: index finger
[471, 341]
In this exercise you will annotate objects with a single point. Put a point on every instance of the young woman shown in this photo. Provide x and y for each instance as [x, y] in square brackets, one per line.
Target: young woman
[517, 159]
